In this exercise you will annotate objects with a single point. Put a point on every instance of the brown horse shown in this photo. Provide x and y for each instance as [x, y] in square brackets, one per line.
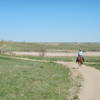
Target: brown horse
[80, 60]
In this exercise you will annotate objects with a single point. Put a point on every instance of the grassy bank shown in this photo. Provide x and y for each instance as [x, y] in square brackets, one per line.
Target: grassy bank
[27, 80]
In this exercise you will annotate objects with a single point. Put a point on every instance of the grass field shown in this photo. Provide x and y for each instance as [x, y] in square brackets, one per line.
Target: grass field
[66, 59]
[93, 62]
[27, 80]
[52, 47]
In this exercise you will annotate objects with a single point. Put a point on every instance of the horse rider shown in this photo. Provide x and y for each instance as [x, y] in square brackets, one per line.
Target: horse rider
[80, 53]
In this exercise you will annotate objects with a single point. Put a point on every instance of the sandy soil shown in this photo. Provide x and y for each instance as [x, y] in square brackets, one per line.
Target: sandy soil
[90, 89]
[57, 54]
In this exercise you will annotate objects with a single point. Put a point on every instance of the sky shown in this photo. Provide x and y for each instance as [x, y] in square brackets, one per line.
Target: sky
[50, 20]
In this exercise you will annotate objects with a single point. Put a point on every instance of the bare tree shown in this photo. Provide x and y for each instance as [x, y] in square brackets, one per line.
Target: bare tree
[42, 52]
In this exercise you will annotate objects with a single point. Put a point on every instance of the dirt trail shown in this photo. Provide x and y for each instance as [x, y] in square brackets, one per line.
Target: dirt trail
[56, 54]
[91, 85]
[90, 89]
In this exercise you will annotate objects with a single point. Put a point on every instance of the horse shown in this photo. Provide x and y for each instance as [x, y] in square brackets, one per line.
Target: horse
[80, 60]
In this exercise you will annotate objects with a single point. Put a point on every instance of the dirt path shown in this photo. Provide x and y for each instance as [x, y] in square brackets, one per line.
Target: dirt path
[56, 54]
[91, 84]
[90, 89]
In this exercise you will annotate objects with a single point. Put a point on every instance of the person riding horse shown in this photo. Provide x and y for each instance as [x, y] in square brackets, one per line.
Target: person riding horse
[80, 58]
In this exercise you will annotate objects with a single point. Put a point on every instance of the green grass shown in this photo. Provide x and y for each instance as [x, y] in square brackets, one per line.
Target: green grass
[50, 58]
[58, 47]
[97, 66]
[27, 80]
[93, 59]
[93, 62]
